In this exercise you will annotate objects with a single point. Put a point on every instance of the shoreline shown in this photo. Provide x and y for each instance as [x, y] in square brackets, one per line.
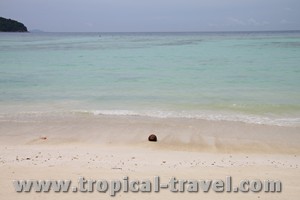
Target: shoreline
[173, 133]
[110, 147]
[272, 119]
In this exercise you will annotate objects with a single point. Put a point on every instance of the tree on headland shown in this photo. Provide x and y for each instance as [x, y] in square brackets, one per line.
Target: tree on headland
[9, 25]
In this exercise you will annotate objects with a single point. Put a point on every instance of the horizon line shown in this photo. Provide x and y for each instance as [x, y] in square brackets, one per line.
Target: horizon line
[217, 31]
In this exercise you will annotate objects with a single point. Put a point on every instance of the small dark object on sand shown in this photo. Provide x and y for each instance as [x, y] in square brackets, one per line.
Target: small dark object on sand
[152, 138]
[43, 138]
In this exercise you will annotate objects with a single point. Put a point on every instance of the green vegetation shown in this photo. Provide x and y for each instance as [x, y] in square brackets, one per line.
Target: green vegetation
[9, 25]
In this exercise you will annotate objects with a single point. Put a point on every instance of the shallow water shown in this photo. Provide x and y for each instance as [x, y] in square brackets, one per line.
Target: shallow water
[249, 76]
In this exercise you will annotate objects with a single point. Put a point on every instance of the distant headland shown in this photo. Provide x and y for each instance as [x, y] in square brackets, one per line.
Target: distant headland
[9, 25]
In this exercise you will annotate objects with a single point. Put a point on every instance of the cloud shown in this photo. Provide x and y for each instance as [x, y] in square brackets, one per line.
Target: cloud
[284, 21]
[89, 24]
[253, 22]
[288, 9]
[236, 21]
[248, 22]
[213, 25]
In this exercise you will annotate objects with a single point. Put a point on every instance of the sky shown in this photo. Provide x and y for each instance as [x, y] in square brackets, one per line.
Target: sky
[153, 15]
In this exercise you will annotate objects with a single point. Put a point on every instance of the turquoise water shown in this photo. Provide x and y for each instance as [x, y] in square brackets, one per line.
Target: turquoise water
[249, 76]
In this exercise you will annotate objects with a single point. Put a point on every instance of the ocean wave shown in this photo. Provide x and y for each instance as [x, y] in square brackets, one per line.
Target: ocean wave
[253, 119]
[290, 121]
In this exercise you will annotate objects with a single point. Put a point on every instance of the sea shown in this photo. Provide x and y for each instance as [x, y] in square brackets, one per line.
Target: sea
[251, 77]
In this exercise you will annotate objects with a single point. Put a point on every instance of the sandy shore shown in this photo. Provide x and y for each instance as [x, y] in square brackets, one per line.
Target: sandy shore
[109, 147]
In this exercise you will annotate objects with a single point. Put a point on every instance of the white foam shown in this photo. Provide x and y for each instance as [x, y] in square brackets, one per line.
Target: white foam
[207, 115]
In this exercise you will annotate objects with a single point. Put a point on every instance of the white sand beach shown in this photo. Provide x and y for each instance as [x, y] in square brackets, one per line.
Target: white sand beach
[111, 147]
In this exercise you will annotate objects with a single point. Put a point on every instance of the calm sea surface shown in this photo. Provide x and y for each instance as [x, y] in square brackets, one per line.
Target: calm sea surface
[249, 76]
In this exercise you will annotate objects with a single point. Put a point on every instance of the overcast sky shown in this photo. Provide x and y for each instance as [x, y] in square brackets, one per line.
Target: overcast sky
[153, 15]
